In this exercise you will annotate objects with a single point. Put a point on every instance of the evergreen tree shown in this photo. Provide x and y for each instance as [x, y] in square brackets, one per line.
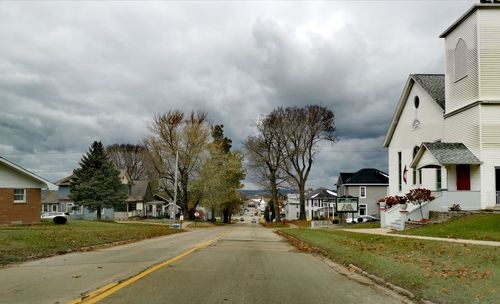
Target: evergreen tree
[96, 184]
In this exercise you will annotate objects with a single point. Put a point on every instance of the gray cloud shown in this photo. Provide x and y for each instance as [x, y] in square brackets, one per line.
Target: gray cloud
[71, 73]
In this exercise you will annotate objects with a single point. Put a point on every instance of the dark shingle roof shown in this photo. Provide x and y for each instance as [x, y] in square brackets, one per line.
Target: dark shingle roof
[138, 190]
[451, 153]
[321, 193]
[433, 84]
[368, 176]
[344, 176]
[49, 197]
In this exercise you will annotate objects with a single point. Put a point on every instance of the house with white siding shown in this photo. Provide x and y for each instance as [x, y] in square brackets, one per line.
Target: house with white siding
[292, 207]
[445, 132]
[320, 203]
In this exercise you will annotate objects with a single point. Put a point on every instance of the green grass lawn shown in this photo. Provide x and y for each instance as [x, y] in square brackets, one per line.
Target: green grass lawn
[366, 225]
[21, 243]
[438, 271]
[475, 227]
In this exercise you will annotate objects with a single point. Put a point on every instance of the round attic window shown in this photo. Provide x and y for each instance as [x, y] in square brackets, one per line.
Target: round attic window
[416, 102]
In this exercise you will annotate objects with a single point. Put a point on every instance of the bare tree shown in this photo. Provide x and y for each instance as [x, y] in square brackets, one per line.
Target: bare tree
[301, 130]
[175, 132]
[130, 157]
[265, 155]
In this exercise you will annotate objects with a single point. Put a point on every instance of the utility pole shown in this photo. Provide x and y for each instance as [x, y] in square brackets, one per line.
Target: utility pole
[174, 207]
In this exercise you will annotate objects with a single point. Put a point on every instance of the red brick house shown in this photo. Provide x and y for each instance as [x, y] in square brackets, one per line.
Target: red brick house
[20, 194]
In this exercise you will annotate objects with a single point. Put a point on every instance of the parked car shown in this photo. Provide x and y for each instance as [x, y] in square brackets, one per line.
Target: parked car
[362, 219]
[57, 217]
[254, 221]
[242, 219]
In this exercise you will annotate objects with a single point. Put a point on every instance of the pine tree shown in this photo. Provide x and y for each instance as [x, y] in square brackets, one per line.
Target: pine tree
[96, 184]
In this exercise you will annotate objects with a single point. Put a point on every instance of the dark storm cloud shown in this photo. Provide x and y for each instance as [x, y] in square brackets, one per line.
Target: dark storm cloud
[71, 73]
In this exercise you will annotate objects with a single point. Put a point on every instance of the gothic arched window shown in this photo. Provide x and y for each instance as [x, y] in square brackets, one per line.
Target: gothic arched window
[460, 60]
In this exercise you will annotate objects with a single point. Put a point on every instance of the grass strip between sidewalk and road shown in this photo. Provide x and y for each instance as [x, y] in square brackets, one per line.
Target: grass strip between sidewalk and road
[22, 243]
[485, 227]
[438, 271]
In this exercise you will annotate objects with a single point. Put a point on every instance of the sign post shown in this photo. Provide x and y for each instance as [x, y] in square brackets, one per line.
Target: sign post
[196, 214]
[346, 204]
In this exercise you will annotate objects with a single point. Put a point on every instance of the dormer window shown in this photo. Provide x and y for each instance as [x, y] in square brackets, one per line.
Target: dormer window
[460, 60]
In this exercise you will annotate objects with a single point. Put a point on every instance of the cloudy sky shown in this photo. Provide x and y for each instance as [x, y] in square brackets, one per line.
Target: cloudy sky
[72, 73]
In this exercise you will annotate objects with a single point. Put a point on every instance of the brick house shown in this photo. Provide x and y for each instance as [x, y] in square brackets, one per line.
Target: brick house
[20, 194]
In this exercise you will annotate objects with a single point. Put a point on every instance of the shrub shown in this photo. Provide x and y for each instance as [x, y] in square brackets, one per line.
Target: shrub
[419, 196]
[394, 200]
[455, 207]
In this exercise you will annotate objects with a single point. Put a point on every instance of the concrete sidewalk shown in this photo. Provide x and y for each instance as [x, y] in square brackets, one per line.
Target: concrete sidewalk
[385, 231]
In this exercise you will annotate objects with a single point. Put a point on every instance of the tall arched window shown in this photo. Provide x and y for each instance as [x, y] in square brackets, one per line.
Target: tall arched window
[414, 171]
[460, 60]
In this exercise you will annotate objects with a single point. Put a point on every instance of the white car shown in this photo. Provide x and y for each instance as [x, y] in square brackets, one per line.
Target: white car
[56, 217]
[362, 219]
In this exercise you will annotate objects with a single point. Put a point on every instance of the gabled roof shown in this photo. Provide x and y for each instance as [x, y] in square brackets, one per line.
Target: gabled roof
[49, 197]
[432, 84]
[49, 185]
[65, 181]
[321, 193]
[124, 175]
[367, 176]
[447, 154]
[138, 190]
[467, 14]
[344, 176]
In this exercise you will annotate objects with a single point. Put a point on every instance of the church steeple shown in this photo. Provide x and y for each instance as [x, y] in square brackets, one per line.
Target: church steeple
[473, 57]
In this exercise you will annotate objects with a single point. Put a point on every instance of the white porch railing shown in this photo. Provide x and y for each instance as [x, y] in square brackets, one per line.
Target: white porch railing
[391, 215]
[468, 200]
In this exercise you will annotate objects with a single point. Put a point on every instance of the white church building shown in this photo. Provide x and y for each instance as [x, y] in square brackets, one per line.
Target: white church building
[445, 132]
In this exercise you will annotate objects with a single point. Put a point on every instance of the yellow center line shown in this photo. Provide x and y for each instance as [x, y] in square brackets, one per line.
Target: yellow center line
[111, 288]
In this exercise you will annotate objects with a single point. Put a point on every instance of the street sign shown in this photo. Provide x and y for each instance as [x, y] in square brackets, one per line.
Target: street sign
[196, 214]
[346, 204]
[181, 217]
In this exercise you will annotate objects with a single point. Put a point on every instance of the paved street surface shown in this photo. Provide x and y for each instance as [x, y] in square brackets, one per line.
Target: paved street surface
[62, 278]
[249, 264]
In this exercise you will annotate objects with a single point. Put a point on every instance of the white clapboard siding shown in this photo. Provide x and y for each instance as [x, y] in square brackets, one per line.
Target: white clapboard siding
[490, 152]
[10, 178]
[405, 137]
[489, 53]
[464, 127]
[465, 91]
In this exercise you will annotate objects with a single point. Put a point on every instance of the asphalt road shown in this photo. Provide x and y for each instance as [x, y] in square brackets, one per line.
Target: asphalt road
[250, 264]
[63, 278]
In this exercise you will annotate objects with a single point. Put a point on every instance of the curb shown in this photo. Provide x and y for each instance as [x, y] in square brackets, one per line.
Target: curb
[352, 268]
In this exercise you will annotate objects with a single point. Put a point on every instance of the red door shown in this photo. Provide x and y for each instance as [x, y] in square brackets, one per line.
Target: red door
[463, 177]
